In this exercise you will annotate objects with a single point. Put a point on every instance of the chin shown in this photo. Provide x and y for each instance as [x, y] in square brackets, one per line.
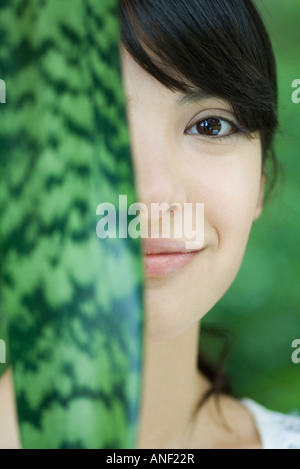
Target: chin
[165, 324]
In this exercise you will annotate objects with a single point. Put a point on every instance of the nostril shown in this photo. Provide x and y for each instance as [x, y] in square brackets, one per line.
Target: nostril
[175, 206]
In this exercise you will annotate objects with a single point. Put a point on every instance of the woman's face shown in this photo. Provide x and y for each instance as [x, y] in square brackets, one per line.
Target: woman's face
[187, 151]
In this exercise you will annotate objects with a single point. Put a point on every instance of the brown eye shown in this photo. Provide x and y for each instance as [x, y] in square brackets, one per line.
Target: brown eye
[209, 127]
[213, 127]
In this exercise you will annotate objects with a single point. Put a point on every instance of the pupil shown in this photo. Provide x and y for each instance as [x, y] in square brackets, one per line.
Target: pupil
[210, 127]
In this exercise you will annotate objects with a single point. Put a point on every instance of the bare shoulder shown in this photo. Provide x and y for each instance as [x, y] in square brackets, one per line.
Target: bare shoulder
[9, 436]
[225, 423]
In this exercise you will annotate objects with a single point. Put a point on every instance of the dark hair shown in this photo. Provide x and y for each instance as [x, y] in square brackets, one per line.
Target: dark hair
[220, 47]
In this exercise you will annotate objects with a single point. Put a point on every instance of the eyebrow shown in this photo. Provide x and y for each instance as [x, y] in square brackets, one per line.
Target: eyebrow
[193, 97]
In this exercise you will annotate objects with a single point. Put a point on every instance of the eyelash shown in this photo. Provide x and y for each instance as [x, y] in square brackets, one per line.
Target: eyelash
[236, 129]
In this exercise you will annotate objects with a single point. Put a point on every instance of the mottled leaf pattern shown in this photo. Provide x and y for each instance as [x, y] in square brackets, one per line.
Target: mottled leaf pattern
[73, 302]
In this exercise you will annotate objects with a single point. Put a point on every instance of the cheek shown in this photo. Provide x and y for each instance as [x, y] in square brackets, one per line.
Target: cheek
[230, 187]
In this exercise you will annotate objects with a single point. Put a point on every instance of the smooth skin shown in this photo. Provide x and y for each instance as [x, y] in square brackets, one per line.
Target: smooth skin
[175, 162]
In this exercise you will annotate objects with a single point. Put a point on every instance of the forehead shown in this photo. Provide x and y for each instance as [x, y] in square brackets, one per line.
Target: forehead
[141, 86]
[136, 79]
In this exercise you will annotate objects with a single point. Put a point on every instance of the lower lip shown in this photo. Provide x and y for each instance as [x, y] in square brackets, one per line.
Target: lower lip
[166, 263]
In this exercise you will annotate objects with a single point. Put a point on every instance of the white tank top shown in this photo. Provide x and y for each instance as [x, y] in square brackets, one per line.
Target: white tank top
[277, 431]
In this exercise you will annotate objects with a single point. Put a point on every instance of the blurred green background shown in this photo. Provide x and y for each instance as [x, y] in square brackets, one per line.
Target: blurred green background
[261, 311]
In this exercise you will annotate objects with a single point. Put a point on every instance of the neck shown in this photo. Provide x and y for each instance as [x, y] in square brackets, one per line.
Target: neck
[172, 388]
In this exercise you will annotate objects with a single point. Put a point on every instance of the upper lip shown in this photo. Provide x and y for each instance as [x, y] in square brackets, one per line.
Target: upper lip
[161, 245]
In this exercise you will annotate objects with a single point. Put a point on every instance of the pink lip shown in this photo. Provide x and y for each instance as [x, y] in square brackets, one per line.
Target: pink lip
[165, 246]
[166, 263]
[164, 256]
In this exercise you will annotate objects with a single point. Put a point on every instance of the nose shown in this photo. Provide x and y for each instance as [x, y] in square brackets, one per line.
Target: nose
[157, 176]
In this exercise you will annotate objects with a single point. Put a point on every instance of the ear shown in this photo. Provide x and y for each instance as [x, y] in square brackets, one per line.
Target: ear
[260, 200]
